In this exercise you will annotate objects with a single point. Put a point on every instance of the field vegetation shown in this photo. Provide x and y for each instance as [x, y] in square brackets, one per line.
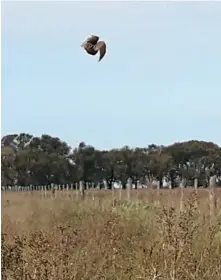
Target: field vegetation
[153, 234]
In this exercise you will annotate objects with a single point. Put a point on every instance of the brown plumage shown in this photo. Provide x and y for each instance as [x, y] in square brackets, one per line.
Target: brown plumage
[92, 46]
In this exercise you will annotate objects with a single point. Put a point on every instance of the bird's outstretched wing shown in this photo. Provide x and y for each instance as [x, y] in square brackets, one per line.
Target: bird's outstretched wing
[101, 46]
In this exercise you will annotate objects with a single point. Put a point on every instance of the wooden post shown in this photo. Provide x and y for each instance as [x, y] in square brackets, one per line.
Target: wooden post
[93, 190]
[72, 191]
[45, 191]
[129, 188]
[42, 192]
[212, 196]
[105, 184]
[138, 184]
[196, 184]
[76, 190]
[182, 186]
[113, 193]
[67, 191]
[196, 193]
[158, 193]
[82, 189]
[120, 191]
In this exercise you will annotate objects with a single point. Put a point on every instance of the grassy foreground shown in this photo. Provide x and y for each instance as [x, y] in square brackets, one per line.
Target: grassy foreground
[105, 236]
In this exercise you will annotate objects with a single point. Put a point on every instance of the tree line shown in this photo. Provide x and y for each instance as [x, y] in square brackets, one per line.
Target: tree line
[47, 160]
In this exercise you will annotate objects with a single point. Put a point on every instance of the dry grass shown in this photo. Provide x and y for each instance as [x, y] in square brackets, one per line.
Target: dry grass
[105, 236]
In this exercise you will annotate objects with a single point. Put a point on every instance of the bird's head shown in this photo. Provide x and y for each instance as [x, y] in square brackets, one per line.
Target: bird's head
[84, 44]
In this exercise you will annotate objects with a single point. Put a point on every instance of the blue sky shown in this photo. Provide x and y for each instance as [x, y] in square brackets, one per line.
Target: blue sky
[160, 81]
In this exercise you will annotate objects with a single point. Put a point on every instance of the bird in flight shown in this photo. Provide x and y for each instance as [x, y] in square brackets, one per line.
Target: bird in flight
[92, 45]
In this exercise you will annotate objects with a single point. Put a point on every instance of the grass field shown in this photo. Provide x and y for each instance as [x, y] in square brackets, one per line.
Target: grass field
[109, 235]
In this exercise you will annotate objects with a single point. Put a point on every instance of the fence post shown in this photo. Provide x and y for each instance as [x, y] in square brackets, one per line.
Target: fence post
[52, 190]
[129, 188]
[158, 193]
[182, 185]
[105, 184]
[82, 189]
[45, 191]
[120, 191]
[113, 193]
[76, 189]
[212, 196]
[42, 192]
[67, 191]
[196, 184]
[72, 190]
[93, 190]
[196, 192]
